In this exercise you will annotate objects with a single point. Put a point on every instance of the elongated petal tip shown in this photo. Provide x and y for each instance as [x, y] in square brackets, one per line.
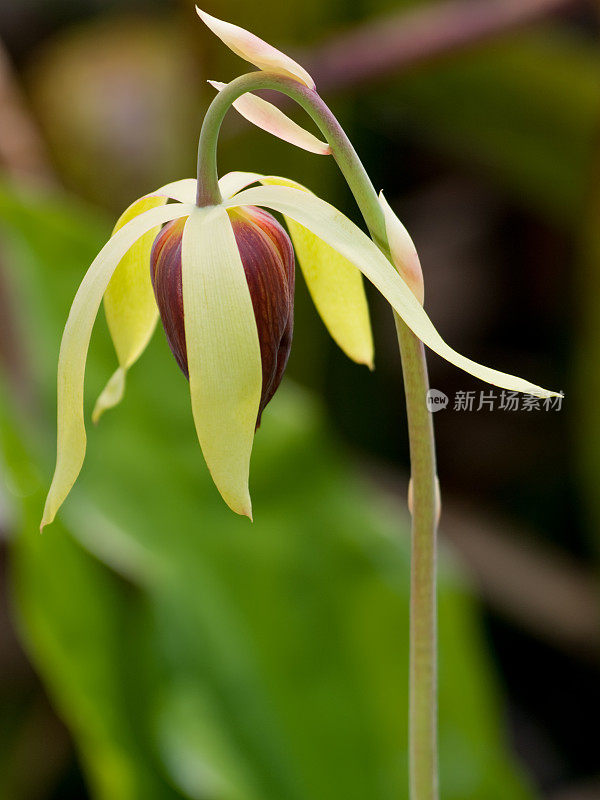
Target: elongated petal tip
[253, 49]
[50, 510]
[270, 119]
[111, 396]
[236, 498]
[245, 510]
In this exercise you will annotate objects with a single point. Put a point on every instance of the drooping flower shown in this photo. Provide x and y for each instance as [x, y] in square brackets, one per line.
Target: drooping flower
[267, 256]
[221, 278]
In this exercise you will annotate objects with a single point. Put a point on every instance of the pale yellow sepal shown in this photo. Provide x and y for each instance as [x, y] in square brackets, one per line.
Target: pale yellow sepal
[253, 49]
[223, 352]
[335, 285]
[71, 437]
[342, 235]
[270, 119]
[129, 304]
[404, 253]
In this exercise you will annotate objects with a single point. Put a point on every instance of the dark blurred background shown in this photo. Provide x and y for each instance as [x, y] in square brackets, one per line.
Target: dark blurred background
[153, 646]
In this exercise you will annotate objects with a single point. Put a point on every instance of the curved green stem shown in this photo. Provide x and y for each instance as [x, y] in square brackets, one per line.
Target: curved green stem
[341, 147]
[425, 495]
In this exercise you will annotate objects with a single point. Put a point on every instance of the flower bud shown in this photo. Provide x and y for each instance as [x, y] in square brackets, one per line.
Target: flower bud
[268, 259]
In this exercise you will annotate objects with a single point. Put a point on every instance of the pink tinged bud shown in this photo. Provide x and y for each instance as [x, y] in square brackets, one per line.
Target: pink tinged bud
[253, 49]
[268, 259]
[268, 117]
[403, 251]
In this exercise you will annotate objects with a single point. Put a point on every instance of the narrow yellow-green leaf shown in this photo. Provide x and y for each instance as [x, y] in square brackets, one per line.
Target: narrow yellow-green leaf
[71, 438]
[223, 352]
[339, 232]
[335, 285]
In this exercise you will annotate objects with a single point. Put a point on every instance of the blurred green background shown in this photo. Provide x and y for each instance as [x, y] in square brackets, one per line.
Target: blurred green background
[154, 645]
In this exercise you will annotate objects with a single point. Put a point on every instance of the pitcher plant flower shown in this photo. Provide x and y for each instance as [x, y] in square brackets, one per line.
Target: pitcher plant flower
[221, 278]
[208, 258]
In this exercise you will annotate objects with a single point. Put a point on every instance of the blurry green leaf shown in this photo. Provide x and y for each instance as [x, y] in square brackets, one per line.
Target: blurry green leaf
[196, 655]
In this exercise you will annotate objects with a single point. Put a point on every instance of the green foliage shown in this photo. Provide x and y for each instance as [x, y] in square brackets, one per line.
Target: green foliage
[192, 654]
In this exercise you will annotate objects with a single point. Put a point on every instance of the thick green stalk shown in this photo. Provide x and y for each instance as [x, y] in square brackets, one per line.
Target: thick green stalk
[423, 600]
[425, 495]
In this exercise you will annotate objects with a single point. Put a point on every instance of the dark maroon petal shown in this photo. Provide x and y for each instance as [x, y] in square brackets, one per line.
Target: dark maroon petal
[165, 271]
[268, 260]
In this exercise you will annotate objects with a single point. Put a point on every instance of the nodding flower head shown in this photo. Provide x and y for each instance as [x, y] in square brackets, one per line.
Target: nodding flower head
[221, 279]
[268, 260]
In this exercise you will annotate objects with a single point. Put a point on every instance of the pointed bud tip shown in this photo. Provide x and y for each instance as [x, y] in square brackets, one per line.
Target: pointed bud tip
[403, 252]
[255, 50]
